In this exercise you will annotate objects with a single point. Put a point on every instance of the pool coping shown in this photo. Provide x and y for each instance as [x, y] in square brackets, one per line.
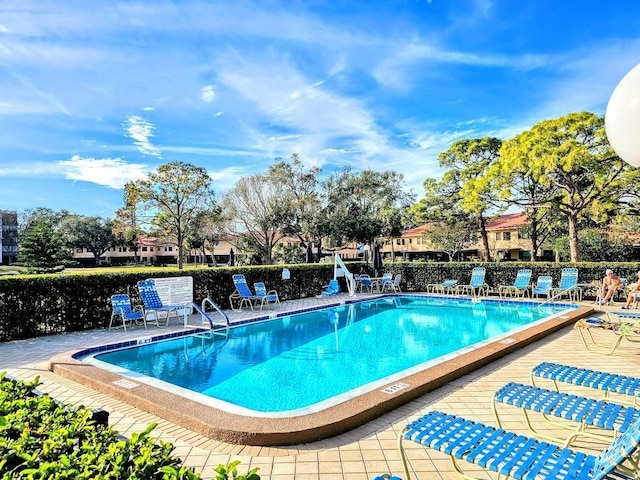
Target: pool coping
[334, 420]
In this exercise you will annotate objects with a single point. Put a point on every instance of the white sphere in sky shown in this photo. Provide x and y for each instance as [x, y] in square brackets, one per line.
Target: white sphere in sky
[622, 118]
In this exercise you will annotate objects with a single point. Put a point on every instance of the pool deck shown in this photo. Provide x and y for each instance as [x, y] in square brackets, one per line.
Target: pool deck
[360, 453]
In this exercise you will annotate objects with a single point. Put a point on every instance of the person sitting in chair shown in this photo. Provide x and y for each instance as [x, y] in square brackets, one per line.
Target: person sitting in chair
[634, 294]
[610, 285]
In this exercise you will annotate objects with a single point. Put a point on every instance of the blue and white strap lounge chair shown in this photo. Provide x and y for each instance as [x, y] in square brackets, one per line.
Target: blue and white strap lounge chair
[543, 286]
[568, 285]
[476, 284]
[517, 456]
[153, 304]
[121, 307]
[243, 294]
[583, 411]
[609, 383]
[520, 285]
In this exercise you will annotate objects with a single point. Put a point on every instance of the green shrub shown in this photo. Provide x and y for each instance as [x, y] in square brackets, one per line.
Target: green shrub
[41, 438]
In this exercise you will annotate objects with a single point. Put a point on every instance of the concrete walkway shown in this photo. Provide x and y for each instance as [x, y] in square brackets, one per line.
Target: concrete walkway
[360, 454]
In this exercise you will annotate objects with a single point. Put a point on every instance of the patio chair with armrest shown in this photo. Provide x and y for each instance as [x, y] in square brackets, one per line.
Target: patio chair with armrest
[121, 307]
[153, 304]
[543, 286]
[243, 294]
[568, 285]
[520, 285]
[518, 456]
[269, 297]
[476, 285]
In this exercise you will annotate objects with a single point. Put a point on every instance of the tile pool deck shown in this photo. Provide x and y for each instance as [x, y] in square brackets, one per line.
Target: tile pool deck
[359, 454]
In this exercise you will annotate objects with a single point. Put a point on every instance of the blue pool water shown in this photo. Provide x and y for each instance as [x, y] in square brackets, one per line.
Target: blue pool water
[304, 361]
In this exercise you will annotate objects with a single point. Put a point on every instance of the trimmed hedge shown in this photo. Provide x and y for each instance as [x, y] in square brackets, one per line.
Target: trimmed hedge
[36, 305]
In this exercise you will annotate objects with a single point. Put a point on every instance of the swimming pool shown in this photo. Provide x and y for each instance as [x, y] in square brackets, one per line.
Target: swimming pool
[304, 363]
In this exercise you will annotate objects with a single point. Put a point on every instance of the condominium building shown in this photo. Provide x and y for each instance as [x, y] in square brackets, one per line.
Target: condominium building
[506, 242]
[8, 236]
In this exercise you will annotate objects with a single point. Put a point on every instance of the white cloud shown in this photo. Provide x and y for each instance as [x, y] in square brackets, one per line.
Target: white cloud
[141, 130]
[207, 93]
[110, 172]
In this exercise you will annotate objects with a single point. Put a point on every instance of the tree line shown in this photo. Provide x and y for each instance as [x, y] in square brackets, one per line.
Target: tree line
[562, 172]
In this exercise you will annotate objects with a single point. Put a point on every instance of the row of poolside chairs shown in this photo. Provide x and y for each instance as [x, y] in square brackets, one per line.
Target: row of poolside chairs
[518, 456]
[521, 286]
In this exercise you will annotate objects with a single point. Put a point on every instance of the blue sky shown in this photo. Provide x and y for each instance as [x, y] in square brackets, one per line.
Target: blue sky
[94, 94]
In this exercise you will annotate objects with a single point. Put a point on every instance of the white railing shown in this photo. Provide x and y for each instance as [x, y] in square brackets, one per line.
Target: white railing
[351, 282]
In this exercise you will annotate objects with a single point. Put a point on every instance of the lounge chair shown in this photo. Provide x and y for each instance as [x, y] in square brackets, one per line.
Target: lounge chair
[583, 411]
[568, 285]
[476, 285]
[243, 294]
[624, 324]
[121, 307]
[517, 456]
[543, 286]
[332, 289]
[153, 304]
[520, 285]
[448, 286]
[268, 297]
[622, 385]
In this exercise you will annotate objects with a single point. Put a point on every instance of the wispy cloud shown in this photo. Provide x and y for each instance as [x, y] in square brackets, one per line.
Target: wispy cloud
[141, 130]
[207, 93]
[109, 172]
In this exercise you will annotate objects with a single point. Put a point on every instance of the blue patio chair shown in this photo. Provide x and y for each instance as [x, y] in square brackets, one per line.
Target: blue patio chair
[153, 304]
[625, 325]
[583, 411]
[121, 307]
[568, 285]
[268, 297]
[243, 294]
[517, 456]
[543, 286]
[476, 284]
[622, 385]
[520, 285]
[333, 288]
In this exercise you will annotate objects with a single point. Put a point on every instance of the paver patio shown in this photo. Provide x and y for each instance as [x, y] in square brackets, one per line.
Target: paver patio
[360, 454]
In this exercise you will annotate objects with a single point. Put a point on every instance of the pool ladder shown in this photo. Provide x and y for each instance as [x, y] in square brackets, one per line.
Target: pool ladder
[217, 326]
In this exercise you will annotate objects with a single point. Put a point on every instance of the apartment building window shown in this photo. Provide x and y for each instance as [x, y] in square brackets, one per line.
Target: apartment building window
[151, 249]
[410, 241]
[168, 249]
[144, 249]
[506, 235]
[398, 241]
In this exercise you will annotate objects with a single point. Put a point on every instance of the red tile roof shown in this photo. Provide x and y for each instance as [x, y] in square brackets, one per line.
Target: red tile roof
[509, 220]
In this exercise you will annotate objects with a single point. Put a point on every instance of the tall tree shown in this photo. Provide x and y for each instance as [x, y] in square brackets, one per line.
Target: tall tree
[254, 205]
[127, 226]
[300, 208]
[175, 194]
[42, 247]
[363, 206]
[451, 227]
[467, 160]
[93, 233]
[572, 158]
